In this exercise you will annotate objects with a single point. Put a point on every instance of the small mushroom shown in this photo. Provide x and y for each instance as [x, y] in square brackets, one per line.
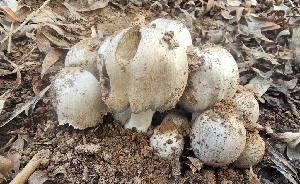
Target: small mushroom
[253, 152]
[167, 138]
[217, 136]
[144, 68]
[213, 76]
[84, 54]
[247, 107]
[77, 98]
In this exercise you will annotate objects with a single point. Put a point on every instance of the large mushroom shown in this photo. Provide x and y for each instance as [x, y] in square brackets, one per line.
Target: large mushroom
[144, 69]
[77, 98]
[213, 76]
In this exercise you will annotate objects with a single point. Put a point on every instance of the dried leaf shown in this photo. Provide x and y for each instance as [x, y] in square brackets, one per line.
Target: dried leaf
[59, 42]
[226, 14]
[52, 57]
[252, 177]
[42, 42]
[38, 177]
[210, 4]
[261, 82]
[282, 165]
[96, 5]
[234, 2]
[15, 153]
[72, 10]
[196, 163]
[9, 14]
[3, 98]
[27, 105]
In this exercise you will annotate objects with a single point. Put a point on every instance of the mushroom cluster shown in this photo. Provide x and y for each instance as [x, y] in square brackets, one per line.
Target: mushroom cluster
[149, 68]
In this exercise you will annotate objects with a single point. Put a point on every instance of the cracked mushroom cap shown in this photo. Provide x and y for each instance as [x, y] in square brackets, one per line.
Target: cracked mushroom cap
[77, 98]
[247, 107]
[217, 136]
[213, 76]
[253, 152]
[142, 67]
[167, 138]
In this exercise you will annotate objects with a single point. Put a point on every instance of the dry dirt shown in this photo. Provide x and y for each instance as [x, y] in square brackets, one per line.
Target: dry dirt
[108, 153]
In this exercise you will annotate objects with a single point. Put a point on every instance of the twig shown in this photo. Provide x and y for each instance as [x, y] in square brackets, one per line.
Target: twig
[28, 18]
[9, 37]
[37, 159]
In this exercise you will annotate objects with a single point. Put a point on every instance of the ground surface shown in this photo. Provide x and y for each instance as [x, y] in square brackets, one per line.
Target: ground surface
[110, 154]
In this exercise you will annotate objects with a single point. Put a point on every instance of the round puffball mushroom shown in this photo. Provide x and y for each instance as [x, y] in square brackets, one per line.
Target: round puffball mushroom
[143, 68]
[213, 76]
[247, 107]
[217, 136]
[84, 54]
[252, 153]
[77, 98]
[167, 138]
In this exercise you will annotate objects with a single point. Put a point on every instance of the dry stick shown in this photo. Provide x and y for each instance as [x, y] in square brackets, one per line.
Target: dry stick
[37, 159]
[9, 37]
[28, 18]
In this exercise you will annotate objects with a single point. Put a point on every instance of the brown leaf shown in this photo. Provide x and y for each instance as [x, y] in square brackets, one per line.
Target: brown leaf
[226, 14]
[57, 41]
[15, 153]
[16, 70]
[252, 177]
[282, 164]
[196, 163]
[96, 5]
[42, 42]
[52, 57]
[210, 5]
[9, 14]
[266, 26]
[25, 106]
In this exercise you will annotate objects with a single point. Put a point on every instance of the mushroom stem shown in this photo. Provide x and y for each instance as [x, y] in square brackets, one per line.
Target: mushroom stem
[140, 121]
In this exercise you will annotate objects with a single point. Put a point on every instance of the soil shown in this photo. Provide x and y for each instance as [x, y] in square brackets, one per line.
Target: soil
[108, 153]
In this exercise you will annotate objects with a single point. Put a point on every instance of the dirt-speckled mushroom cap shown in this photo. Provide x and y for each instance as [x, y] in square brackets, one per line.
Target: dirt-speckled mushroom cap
[217, 137]
[181, 32]
[83, 54]
[253, 152]
[143, 70]
[247, 107]
[77, 98]
[180, 121]
[215, 78]
[167, 140]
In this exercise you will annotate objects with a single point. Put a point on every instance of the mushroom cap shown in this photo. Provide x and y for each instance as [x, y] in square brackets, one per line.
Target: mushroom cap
[180, 121]
[253, 152]
[214, 79]
[143, 70]
[167, 140]
[247, 107]
[77, 98]
[181, 32]
[217, 137]
[83, 54]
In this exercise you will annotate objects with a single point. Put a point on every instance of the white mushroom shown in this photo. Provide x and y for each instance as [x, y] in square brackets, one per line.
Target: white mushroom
[252, 153]
[213, 76]
[84, 54]
[77, 98]
[143, 68]
[167, 138]
[247, 107]
[217, 136]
